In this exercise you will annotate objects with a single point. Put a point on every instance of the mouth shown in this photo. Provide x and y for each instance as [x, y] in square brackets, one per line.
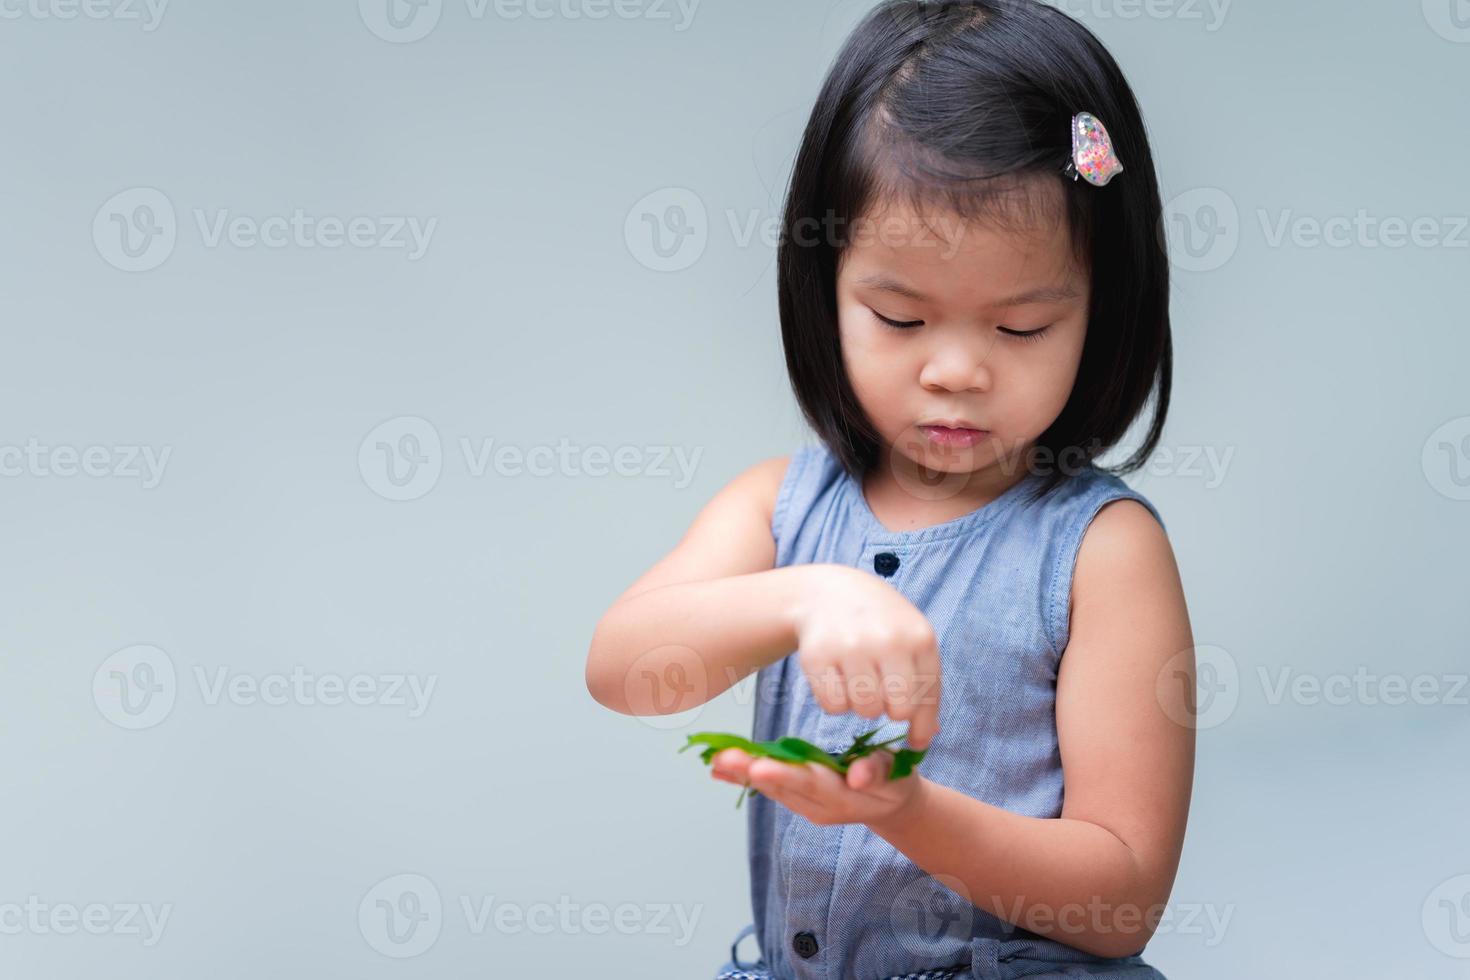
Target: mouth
[952, 423]
[953, 433]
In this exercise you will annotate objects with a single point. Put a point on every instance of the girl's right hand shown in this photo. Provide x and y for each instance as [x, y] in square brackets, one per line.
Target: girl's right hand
[865, 647]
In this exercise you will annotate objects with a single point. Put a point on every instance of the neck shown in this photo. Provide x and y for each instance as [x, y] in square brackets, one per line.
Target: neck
[975, 488]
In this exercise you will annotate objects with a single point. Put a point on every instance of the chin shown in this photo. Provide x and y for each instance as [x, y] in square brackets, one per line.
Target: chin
[953, 461]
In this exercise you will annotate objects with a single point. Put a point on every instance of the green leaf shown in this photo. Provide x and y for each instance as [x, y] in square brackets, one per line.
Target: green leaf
[904, 761]
[719, 741]
[793, 749]
[796, 751]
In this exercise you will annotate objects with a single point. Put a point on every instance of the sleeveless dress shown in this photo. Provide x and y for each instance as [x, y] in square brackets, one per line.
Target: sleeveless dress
[840, 902]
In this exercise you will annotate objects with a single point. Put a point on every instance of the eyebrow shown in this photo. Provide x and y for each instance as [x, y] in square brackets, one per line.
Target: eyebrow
[1041, 294]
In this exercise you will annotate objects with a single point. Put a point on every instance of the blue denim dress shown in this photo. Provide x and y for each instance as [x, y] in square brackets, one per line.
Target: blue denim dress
[840, 902]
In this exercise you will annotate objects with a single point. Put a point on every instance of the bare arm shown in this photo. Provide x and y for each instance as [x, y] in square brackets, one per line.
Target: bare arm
[710, 612]
[1096, 877]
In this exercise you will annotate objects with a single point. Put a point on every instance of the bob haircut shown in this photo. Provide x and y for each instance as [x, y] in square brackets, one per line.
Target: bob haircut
[967, 104]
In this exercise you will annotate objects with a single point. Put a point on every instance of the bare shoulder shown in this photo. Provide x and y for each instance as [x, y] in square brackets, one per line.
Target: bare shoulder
[731, 534]
[754, 489]
[762, 481]
[1126, 557]
[1124, 538]
[748, 501]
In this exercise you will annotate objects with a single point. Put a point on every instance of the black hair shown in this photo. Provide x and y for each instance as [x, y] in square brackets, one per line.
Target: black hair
[968, 103]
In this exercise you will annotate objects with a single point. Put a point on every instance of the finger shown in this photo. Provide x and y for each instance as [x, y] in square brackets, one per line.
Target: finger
[731, 765]
[924, 723]
[864, 692]
[870, 772]
[730, 758]
[899, 685]
[793, 777]
[786, 782]
[830, 689]
[823, 783]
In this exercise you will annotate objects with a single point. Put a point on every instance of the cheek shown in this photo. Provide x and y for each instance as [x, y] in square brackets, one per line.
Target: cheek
[876, 371]
[1052, 378]
[864, 352]
[1070, 362]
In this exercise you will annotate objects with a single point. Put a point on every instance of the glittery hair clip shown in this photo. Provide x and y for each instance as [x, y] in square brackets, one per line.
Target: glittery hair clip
[1092, 151]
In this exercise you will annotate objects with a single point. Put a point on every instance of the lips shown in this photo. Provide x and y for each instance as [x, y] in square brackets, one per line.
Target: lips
[953, 437]
[951, 424]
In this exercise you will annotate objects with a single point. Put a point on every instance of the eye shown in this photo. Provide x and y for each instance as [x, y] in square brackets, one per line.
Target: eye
[898, 324]
[1030, 336]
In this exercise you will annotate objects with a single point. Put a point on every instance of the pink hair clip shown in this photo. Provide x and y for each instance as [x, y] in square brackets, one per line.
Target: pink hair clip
[1092, 151]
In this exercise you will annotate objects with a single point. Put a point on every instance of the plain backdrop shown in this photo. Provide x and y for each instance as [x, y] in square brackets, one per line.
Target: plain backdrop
[291, 661]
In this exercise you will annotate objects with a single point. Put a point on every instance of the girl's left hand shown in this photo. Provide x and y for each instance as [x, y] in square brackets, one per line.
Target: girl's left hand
[818, 793]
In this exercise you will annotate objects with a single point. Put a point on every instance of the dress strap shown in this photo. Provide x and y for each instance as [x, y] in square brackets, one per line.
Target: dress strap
[735, 950]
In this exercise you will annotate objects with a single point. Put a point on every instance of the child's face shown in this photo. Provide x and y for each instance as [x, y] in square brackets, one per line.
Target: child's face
[960, 363]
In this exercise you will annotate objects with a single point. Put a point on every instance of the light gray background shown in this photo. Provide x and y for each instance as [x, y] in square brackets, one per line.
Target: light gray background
[1334, 538]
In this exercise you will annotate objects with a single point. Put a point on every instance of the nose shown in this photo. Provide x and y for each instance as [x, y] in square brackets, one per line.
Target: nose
[958, 366]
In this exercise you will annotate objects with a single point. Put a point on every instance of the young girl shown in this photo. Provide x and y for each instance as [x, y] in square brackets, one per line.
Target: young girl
[974, 305]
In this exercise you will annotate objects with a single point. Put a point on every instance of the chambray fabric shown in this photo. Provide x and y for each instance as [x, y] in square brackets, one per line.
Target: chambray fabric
[996, 585]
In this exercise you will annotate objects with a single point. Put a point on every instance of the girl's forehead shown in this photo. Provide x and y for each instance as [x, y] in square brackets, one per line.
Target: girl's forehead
[1026, 217]
[937, 254]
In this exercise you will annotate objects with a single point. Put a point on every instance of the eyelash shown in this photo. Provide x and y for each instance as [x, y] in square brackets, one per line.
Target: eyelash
[1030, 336]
